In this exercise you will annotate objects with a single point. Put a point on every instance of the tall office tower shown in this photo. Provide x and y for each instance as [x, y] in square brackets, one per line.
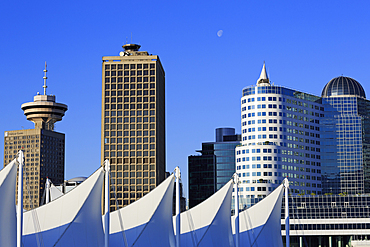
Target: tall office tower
[345, 143]
[42, 146]
[133, 122]
[280, 138]
[215, 166]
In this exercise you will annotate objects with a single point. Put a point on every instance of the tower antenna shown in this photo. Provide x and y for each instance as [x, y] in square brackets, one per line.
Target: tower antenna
[45, 78]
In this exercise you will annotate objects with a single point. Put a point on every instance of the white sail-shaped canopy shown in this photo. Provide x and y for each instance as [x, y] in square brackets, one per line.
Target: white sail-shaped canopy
[8, 219]
[71, 220]
[146, 222]
[260, 225]
[208, 224]
[54, 192]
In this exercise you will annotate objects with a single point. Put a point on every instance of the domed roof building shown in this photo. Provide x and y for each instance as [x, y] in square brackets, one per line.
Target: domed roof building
[345, 137]
[343, 85]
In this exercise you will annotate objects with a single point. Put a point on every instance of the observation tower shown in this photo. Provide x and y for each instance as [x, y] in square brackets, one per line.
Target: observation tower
[44, 111]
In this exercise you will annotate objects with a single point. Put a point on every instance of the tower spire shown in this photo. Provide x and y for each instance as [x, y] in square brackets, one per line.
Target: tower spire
[264, 79]
[45, 78]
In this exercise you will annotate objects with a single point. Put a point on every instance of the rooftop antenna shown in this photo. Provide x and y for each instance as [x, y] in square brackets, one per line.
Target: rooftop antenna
[126, 39]
[45, 77]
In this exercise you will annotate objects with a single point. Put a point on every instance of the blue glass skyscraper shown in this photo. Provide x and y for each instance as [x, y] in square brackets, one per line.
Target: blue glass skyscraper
[215, 166]
[345, 144]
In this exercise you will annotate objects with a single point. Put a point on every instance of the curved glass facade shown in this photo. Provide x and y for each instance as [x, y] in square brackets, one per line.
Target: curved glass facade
[345, 145]
[280, 138]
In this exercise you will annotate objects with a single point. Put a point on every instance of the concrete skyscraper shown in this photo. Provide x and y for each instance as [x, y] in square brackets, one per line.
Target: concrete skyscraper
[133, 122]
[43, 147]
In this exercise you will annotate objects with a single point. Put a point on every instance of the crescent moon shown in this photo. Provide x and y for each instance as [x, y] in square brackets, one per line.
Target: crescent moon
[219, 33]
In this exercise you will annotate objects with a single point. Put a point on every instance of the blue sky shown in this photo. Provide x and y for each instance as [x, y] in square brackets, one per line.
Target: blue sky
[304, 44]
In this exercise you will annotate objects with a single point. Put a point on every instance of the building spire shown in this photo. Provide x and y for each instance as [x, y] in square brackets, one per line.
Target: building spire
[45, 78]
[264, 79]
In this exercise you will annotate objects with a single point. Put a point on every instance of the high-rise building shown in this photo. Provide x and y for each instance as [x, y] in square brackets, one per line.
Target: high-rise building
[215, 166]
[345, 151]
[280, 138]
[42, 146]
[133, 122]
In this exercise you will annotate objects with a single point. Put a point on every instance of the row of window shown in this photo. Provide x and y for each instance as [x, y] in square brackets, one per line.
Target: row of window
[299, 103]
[129, 79]
[130, 88]
[132, 114]
[345, 226]
[133, 181]
[300, 176]
[128, 100]
[283, 137]
[263, 99]
[21, 142]
[263, 121]
[126, 126]
[129, 73]
[264, 114]
[21, 137]
[132, 174]
[132, 107]
[126, 147]
[129, 66]
[119, 93]
[253, 189]
[283, 167]
[289, 101]
[270, 136]
[263, 106]
[127, 153]
[254, 158]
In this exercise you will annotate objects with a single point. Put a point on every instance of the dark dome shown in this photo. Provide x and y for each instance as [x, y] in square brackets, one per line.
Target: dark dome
[343, 86]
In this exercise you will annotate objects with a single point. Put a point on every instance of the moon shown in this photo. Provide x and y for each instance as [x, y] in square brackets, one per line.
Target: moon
[219, 33]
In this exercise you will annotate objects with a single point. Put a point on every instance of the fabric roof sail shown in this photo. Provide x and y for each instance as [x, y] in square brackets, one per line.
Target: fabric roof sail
[71, 220]
[54, 192]
[146, 222]
[260, 224]
[8, 220]
[208, 224]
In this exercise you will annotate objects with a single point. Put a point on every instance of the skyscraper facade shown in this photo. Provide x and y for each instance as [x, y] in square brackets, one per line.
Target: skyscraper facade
[133, 122]
[345, 143]
[280, 138]
[43, 147]
[215, 166]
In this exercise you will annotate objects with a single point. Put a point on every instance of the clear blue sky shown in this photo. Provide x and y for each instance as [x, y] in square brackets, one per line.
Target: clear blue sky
[304, 44]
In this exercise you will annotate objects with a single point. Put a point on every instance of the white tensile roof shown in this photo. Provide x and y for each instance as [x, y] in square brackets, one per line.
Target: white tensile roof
[71, 220]
[146, 222]
[260, 224]
[208, 223]
[8, 219]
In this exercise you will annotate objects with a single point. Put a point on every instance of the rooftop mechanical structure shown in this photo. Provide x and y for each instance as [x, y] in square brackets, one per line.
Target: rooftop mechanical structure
[44, 111]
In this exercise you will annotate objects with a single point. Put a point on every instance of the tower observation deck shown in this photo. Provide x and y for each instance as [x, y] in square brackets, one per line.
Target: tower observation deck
[44, 111]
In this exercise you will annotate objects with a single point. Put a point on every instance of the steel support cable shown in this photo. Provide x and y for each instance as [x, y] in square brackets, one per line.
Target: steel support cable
[191, 227]
[146, 224]
[210, 223]
[248, 221]
[69, 224]
[262, 228]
